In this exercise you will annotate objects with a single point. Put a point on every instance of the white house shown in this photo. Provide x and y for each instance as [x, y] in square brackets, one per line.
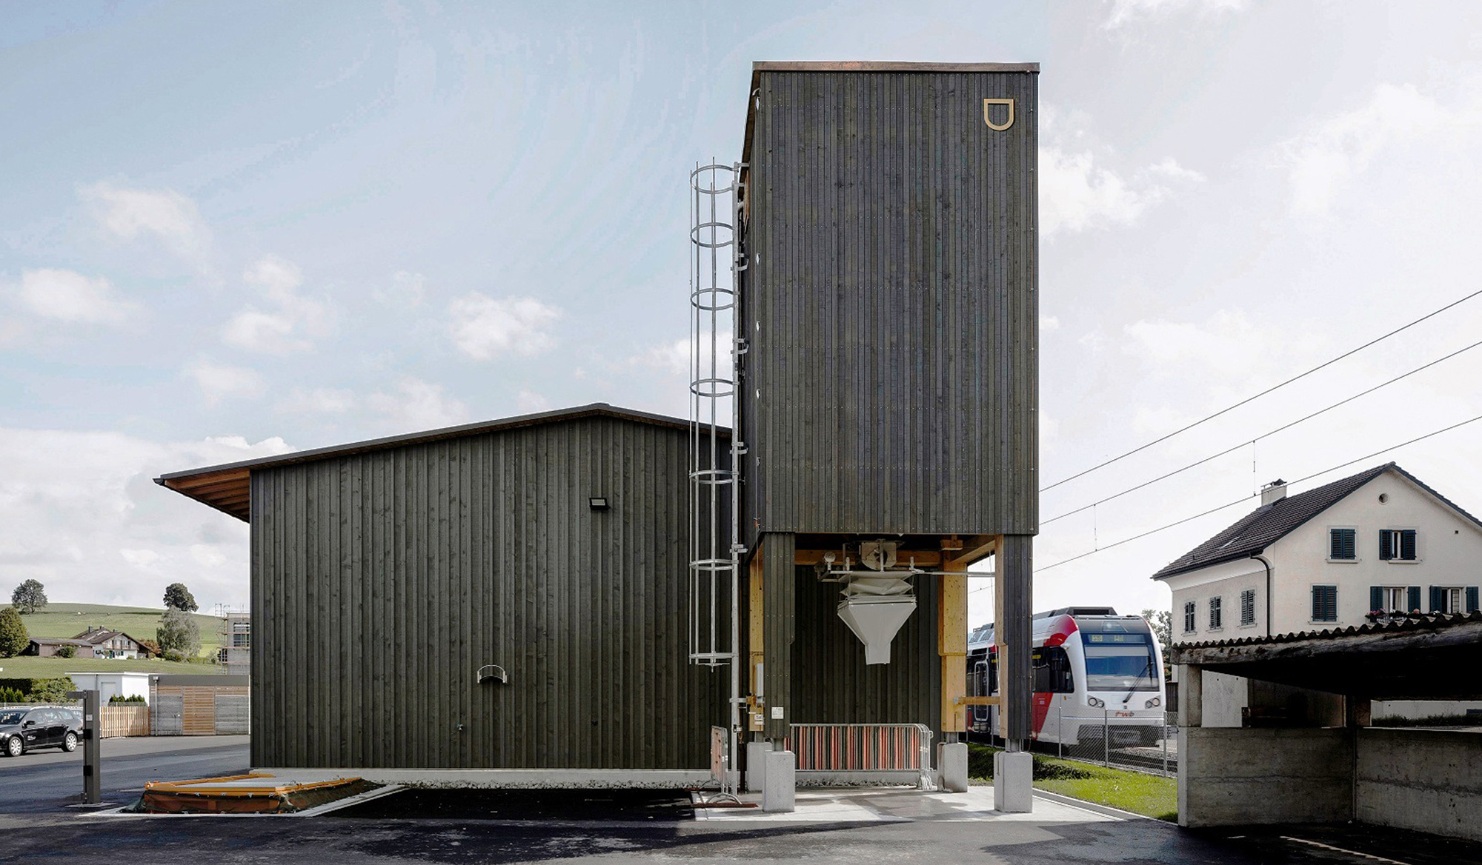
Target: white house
[1378, 542]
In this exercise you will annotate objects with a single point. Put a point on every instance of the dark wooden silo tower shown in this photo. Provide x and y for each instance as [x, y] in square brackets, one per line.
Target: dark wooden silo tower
[888, 378]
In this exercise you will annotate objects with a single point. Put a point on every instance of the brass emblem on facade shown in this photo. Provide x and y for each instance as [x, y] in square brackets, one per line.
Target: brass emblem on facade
[988, 116]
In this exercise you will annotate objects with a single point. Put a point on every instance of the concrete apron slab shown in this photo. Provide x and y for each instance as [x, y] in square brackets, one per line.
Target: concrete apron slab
[518, 779]
[855, 805]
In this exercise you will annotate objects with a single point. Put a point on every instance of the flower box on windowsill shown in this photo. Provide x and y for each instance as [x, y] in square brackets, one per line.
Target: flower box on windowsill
[1384, 618]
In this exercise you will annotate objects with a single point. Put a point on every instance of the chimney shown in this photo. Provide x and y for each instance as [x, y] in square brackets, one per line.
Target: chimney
[1273, 492]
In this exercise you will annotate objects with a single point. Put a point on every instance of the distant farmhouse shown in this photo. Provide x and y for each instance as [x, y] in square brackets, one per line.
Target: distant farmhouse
[1377, 543]
[91, 643]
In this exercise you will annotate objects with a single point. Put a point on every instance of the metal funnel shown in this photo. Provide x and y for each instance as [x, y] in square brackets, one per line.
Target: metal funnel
[874, 620]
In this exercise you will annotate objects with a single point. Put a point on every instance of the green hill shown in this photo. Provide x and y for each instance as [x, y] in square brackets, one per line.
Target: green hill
[61, 621]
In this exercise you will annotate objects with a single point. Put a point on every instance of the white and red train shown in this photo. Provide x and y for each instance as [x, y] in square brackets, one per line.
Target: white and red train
[1092, 671]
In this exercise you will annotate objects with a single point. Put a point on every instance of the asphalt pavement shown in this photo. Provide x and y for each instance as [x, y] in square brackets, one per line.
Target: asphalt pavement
[49, 780]
[40, 826]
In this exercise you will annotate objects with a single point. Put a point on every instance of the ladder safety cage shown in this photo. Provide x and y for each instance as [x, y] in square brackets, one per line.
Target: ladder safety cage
[714, 560]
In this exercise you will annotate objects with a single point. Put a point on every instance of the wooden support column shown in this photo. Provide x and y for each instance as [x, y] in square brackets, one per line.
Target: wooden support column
[756, 644]
[1013, 592]
[779, 608]
[952, 644]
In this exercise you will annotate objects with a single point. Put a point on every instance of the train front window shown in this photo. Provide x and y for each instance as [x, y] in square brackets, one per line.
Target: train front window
[1120, 662]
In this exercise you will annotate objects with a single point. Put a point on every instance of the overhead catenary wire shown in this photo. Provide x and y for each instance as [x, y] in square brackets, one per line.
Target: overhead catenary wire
[1282, 428]
[1243, 499]
[1325, 364]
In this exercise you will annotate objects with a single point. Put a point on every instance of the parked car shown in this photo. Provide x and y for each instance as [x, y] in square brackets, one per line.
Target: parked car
[38, 727]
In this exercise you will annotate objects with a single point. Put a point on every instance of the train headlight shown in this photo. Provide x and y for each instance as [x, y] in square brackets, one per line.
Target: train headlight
[1094, 701]
[1155, 702]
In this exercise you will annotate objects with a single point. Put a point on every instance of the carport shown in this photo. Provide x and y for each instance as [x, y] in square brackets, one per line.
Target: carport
[1297, 761]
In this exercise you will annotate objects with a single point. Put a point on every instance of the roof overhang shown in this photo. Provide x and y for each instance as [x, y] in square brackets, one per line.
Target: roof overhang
[1430, 658]
[228, 488]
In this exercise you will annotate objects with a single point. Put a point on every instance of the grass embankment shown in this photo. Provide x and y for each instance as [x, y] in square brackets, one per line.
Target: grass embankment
[64, 621]
[25, 667]
[1138, 792]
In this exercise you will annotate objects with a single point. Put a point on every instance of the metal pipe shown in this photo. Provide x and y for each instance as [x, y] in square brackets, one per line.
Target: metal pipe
[1262, 559]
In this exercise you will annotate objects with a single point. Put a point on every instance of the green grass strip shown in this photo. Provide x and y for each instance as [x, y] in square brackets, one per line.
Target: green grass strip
[1138, 792]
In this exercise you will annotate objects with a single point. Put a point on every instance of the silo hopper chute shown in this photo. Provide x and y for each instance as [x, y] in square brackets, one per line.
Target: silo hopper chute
[876, 605]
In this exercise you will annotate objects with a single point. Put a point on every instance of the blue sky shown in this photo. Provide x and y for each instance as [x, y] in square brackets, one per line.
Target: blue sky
[233, 230]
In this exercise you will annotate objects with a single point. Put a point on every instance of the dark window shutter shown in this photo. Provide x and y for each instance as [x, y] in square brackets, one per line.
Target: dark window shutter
[1376, 598]
[1407, 544]
[1324, 603]
[1384, 545]
[1437, 601]
[1340, 543]
[1414, 599]
[1471, 599]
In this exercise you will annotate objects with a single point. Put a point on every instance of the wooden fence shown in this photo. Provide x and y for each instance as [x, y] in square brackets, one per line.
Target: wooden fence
[123, 719]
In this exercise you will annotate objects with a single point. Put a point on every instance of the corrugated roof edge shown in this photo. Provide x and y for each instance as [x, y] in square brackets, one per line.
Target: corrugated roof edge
[1426, 621]
[596, 409]
[885, 66]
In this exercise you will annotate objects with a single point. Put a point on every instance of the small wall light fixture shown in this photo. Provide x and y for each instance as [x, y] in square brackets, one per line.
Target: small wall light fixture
[598, 503]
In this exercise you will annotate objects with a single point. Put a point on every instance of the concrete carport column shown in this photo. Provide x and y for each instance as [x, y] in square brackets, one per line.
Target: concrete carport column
[1013, 769]
[1190, 714]
[779, 766]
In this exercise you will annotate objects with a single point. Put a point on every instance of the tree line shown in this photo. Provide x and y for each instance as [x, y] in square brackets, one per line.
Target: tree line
[177, 637]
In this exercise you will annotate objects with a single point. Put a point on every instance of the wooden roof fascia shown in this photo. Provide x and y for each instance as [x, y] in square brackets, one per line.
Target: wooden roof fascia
[227, 488]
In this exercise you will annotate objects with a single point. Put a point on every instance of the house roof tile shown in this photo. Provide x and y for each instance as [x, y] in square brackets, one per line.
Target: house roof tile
[1268, 524]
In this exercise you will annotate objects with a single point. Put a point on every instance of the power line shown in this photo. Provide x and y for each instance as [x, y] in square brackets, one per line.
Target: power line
[1265, 435]
[1273, 388]
[1244, 498]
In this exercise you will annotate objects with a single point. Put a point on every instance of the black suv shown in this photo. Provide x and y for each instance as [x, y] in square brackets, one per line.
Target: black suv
[39, 727]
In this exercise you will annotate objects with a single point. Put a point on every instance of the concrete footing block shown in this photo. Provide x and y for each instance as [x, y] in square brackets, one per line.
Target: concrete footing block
[779, 786]
[756, 765]
[1013, 782]
[952, 763]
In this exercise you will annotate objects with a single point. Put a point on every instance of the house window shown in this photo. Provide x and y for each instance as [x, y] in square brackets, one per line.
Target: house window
[1190, 611]
[1446, 599]
[1324, 603]
[1248, 607]
[1342, 544]
[1214, 613]
[1394, 599]
[1397, 545]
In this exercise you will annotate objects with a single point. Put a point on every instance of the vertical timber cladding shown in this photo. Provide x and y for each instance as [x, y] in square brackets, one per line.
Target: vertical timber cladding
[890, 299]
[890, 386]
[382, 581]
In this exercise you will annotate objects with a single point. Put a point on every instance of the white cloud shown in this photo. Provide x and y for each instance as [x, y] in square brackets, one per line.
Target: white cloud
[1127, 11]
[164, 214]
[1078, 192]
[1048, 323]
[65, 295]
[82, 515]
[291, 319]
[483, 327]
[218, 382]
[140, 558]
[1327, 159]
[671, 356]
[319, 400]
[417, 405]
[530, 402]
